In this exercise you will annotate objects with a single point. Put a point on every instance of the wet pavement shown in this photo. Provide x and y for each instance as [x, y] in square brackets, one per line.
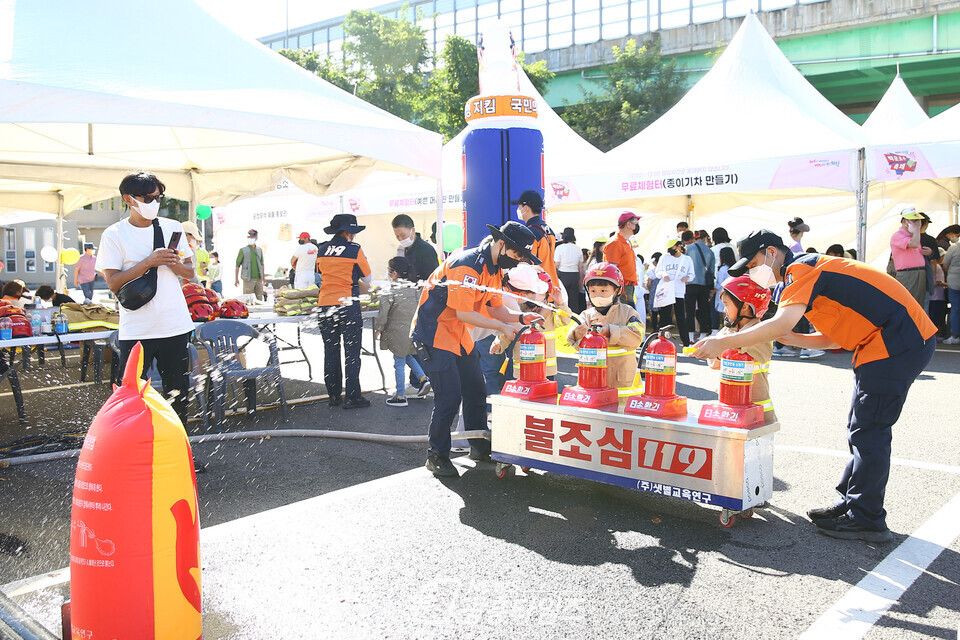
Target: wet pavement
[310, 538]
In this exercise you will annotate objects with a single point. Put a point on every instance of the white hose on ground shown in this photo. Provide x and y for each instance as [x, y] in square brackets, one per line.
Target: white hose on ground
[265, 435]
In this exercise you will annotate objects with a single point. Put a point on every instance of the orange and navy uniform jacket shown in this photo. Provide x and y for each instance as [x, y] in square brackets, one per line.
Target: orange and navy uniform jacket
[544, 246]
[456, 286]
[341, 264]
[619, 252]
[859, 307]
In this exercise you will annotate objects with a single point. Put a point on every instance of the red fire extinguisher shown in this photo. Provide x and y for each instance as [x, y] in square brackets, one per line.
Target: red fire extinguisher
[592, 363]
[533, 355]
[660, 367]
[736, 378]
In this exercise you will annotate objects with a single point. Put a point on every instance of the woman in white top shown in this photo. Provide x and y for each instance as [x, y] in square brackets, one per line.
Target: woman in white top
[569, 261]
[676, 267]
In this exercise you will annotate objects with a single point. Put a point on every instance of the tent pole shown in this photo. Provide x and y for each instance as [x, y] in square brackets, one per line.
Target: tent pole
[61, 282]
[193, 200]
[862, 205]
[440, 219]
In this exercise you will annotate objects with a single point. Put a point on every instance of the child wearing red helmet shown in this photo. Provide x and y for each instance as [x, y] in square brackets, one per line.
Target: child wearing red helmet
[619, 323]
[744, 305]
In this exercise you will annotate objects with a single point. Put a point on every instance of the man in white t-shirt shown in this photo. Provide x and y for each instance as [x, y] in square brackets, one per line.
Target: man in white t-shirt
[304, 263]
[163, 325]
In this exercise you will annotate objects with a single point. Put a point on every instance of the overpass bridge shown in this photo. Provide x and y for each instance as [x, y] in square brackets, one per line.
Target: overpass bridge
[850, 50]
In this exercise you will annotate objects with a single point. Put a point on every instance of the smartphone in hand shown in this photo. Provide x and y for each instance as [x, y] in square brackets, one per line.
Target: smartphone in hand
[174, 240]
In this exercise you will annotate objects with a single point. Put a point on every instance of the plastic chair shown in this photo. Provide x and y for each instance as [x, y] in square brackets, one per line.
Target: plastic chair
[198, 379]
[220, 338]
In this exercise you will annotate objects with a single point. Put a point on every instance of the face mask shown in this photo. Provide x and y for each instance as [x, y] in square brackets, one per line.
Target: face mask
[406, 242]
[148, 210]
[519, 214]
[251, 241]
[763, 275]
[954, 240]
[602, 301]
[506, 262]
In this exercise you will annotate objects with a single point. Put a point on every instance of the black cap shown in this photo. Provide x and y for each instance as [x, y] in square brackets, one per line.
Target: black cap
[752, 244]
[344, 222]
[531, 198]
[518, 237]
[252, 233]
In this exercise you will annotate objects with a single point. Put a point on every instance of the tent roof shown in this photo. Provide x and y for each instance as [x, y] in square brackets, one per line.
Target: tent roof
[897, 112]
[944, 127]
[752, 104]
[94, 85]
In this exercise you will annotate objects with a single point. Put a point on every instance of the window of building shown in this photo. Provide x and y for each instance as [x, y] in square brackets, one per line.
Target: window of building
[708, 10]
[30, 249]
[614, 17]
[10, 248]
[48, 267]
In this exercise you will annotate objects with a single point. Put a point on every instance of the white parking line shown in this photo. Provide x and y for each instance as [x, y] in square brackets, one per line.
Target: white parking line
[857, 611]
[898, 462]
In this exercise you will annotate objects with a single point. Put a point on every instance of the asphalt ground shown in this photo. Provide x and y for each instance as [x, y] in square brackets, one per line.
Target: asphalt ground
[324, 538]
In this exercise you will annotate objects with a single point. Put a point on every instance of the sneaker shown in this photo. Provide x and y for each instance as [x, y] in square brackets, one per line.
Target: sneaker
[835, 511]
[788, 352]
[424, 388]
[846, 528]
[952, 340]
[411, 390]
[397, 401]
[334, 401]
[441, 466]
[356, 403]
[807, 354]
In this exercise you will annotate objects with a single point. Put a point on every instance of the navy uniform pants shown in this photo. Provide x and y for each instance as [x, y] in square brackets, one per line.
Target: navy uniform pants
[878, 397]
[456, 379]
[343, 321]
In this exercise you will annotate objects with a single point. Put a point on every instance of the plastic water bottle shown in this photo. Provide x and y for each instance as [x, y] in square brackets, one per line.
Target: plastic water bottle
[60, 323]
[36, 323]
[6, 328]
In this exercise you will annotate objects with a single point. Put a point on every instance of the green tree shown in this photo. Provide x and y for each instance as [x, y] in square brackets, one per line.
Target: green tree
[327, 68]
[384, 62]
[638, 88]
[386, 59]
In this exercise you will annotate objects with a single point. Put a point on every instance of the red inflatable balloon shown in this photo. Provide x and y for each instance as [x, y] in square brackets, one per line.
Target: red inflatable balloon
[134, 528]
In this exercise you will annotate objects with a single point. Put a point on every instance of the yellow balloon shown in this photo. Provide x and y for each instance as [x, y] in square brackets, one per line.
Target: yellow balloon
[69, 256]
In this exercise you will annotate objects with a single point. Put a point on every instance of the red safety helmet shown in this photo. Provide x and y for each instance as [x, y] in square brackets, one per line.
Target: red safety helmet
[212, 297]
[234, 309]
[191, 288]
[202, 312]
[744, 289]
[606, 271]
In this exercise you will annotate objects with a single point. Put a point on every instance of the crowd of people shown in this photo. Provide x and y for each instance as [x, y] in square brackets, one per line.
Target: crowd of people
[450, 321]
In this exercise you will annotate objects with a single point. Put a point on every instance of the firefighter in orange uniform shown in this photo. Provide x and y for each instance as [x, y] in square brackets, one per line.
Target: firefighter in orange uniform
[530, 210]
[464, 291]
[860, 309]
[342, 266]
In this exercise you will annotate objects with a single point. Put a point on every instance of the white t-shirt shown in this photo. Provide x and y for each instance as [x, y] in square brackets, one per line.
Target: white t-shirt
[306, 255]
[123, 245]
[676, 268]
[567, 257]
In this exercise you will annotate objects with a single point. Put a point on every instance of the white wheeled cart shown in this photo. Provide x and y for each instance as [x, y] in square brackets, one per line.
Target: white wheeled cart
[726, 467]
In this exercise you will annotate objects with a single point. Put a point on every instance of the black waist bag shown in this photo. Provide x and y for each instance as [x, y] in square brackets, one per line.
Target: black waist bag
[141, 290]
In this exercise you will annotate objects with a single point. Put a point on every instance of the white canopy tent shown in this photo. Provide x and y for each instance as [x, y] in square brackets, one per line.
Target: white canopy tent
[896, 113]
[91, 90]
[928, 151]
[751, 126]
